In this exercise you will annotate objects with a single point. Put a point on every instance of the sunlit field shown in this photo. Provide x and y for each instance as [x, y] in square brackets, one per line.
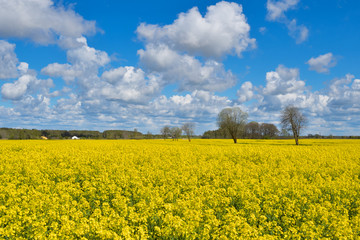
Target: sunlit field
[156, 189]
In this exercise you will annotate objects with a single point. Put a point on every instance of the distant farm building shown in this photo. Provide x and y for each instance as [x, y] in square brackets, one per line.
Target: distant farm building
[75, 138]
[43, 137]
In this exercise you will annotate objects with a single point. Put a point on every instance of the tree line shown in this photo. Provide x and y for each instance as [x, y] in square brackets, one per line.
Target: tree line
[11, 133]
[232, 124]
[252, 130]
[233, 121]
[176, 132]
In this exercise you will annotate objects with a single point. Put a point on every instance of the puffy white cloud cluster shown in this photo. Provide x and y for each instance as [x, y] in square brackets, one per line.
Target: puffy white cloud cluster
[338, 103]
[8, 60]
[197, 104]
[41, 21]
[276, 12]
[283, 81]
[345, 93]
[223, 30]
[26, 84]
[84, 64]
[246, 92]
[189, 72]
[10, 67]
[174, 51]
[283, 87]
[130, 85]
[322, 63]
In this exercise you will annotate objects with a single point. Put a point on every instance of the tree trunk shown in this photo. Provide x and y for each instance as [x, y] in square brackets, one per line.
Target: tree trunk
[235, 140]
[297, 140]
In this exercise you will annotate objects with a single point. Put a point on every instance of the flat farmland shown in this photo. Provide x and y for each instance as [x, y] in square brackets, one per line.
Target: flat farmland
[163, 189]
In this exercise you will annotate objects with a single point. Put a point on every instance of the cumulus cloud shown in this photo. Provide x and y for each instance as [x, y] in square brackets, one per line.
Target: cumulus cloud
[246, 92]
[322, 63]
[186, 70]
[283, 81]
[333, 109]
[223, 30]
[198, 104]
[26, 84]
[84, 64]
[283, 87]
[276, 12]
[130, 85]
[85, 55]
[41, 21]
[345, 93]
[8, 60]
[66, 71]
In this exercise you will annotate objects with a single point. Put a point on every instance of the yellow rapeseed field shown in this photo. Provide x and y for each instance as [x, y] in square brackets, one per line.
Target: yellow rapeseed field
[156, 189]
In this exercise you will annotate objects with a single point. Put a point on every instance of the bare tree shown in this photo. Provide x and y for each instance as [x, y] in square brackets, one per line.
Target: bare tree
[234, 120]
[292, 119]
[165, 132]
[188, 128]
[175, 133]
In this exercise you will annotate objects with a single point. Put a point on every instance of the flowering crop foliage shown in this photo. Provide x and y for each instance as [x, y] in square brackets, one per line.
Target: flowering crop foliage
[156, 189]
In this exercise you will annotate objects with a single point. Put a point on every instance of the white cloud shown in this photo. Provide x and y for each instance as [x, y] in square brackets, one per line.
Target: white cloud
[335, 109]
[199, 105]
[66, 71]
[23, 68]
[246, 92]
[129, 85]
[299, 32]
[16, 90]
[223, 30]
[84, 64]
[356, 85]
[41, 21]
[87, 56]
[8, 60]
[276, 12]
[186, 70]
[282, 81]
[345, 93]
[25, 85]
[262, 30]
[283, 87]
[322, 63]
[276, 9]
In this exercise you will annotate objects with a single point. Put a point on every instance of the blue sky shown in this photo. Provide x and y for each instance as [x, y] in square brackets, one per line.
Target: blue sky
[77, 64]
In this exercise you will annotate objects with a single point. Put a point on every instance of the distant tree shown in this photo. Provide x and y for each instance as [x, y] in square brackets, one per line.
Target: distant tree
[188, 128]
[175, 133]
[252, 130]
[292, 119]
[149, 135]
[165, 132]
[217, 134]
[268, 130]
[317, 136]
[233, 120]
